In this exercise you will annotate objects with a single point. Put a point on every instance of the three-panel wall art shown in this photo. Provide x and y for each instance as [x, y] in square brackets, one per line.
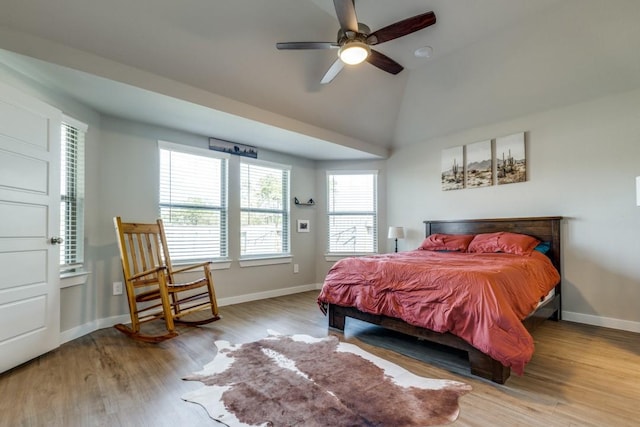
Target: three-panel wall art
[480, 164]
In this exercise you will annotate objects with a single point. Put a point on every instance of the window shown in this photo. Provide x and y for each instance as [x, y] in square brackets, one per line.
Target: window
[193, 202]
[72, 194]
[352, 212]
[264, 205]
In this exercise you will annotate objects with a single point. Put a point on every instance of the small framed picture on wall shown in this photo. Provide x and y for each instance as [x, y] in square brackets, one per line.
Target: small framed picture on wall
[303, 226]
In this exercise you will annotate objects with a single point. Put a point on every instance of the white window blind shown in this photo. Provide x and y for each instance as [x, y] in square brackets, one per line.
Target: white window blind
[72, 193]
[193, 202]
[264, 204]
[352, 212]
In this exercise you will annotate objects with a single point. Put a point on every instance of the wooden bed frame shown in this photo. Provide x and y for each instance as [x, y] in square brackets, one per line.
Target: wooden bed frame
[546, 229]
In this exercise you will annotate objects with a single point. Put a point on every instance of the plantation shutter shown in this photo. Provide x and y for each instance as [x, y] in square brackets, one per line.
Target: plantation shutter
[352, 212]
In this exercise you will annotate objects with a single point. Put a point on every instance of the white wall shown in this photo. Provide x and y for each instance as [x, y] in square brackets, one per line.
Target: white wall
[129, 170]
[122, 171]
[582, 164]
[322, 266]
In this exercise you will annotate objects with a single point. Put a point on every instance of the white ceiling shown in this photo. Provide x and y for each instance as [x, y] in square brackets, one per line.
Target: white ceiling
[211, 67]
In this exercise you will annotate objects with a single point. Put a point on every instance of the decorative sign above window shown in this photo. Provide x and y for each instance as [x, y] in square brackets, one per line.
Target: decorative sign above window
[233, 148]
[485, 163]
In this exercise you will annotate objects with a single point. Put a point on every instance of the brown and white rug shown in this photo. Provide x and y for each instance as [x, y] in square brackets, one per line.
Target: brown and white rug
[299, 380]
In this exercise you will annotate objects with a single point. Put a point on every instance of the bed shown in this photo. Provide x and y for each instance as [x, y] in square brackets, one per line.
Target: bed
[484, 361]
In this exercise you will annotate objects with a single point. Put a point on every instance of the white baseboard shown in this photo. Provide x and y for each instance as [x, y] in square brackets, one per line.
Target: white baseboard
[266, 294]
[77, 332]
[605, 322]
[87, 328]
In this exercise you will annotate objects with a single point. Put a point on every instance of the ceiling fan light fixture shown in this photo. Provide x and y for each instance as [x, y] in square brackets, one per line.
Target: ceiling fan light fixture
[354, 52]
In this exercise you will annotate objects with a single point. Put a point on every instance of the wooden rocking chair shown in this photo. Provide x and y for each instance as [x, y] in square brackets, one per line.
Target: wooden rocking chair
[152, 289]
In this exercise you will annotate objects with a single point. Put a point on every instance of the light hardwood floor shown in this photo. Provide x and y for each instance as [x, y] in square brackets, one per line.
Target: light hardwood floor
[579, 376]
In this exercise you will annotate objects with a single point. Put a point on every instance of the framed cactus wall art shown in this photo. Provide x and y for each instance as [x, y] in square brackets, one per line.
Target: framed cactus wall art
[452, 171]
[485, 163]
[479, 164]
[511, 164]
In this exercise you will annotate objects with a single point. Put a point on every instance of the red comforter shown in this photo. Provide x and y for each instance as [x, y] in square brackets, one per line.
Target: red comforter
[480, 297]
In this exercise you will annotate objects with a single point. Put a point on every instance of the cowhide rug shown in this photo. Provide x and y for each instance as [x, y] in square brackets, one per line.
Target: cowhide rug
[304, 381]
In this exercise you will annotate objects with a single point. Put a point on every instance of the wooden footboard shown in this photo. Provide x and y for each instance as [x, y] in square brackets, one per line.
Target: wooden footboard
[480, 364]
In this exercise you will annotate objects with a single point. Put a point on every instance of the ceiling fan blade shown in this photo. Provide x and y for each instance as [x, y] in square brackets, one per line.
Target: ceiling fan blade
[402, 28]
[332, 72]
[384, 62]
[346, 12]
[307, 45]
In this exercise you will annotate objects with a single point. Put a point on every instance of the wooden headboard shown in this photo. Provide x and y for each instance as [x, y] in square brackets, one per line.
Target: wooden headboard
[545, 229]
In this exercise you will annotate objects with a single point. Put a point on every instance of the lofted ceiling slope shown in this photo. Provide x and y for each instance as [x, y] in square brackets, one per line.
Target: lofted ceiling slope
[214, 65]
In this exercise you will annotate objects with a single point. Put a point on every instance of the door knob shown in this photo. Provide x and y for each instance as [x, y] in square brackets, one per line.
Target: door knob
[56, 240]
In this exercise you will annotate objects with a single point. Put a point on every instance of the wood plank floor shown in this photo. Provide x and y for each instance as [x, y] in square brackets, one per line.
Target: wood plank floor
[580, 375]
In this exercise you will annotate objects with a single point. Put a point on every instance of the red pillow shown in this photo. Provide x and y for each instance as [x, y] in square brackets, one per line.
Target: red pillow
[503, 241]
[446, 242]
[485, 242]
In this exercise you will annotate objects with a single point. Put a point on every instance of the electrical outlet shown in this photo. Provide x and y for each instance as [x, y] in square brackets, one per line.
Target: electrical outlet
[295, 268]
[117, 288]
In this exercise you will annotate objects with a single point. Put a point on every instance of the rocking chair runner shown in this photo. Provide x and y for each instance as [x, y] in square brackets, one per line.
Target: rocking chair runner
[153, 291]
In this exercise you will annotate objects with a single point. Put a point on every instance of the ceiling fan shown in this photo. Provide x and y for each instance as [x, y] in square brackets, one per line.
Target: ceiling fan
[355, 40]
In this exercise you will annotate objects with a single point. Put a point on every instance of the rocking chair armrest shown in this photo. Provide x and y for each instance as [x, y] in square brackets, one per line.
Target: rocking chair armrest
[148, 272]
[191, 267]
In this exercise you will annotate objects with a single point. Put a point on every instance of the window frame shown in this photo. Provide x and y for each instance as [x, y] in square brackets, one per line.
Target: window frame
[334, 255]
[250, 260]
[221, 261]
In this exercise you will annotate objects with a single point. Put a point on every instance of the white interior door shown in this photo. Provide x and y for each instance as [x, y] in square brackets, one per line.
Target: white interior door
[29, 218]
